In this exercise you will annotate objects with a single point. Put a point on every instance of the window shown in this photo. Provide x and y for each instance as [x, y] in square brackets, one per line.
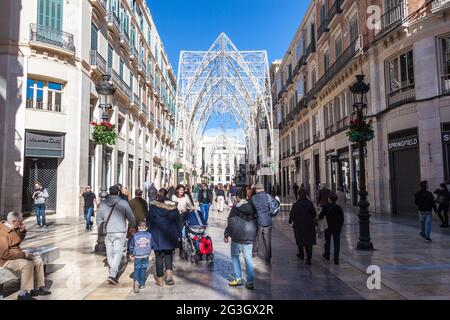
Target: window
[94, 37]
[446, 65]
[400, 71]
[354, 28]
[131, 82]
[299, 89]
[121, 69]
[299, 49]
[50, 13]
[326, 61]
[110, 57]
[338, 45]
[44, 95]
[313, 77]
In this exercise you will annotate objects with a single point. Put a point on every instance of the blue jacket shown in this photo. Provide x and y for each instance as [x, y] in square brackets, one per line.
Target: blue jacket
[164, 223]
[261, 204]
[140, 244]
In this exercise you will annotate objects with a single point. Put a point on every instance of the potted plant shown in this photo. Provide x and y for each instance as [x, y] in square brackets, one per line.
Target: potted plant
[360, 130]
[104, 133]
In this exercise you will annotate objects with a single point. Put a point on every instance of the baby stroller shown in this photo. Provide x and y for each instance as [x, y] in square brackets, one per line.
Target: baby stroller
[195, 241]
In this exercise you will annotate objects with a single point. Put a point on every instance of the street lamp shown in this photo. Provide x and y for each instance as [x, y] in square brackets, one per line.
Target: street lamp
[105, 91]
[359, 91]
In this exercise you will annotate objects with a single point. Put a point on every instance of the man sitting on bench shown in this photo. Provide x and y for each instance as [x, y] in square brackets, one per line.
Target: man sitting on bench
[30, 267]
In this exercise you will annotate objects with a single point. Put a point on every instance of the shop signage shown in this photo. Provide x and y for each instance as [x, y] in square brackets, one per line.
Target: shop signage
[446, 136]
[403, 143]
[44, 145]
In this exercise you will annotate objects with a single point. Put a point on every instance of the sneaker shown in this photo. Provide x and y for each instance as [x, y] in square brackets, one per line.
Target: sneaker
[40, 292]
[422, 234]
[235, 283]
[141, 287]
[136, 287]
[112, 281]
[326, 257]
[250, 286]
[428, 240]
[26, 296]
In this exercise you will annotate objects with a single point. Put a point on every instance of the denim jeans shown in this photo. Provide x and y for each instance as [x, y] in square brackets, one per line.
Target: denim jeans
[204, 208]
[40, 213]
[236, 250]
[115, 244]
[336, 243]
[426, 219]
[140, 270]
[88, 212]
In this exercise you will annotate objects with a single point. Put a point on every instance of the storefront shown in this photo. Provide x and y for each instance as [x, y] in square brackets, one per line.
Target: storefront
[343, 172]
[332, 159]
[43, 152]
[404, 158]
[446, 149]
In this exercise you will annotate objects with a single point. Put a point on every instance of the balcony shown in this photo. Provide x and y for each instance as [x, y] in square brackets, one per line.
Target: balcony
[144, 108]
[402, 96]
[329, 131]
[394, 16]
[121, 85]
[136, 101]
[149, 79]
[141, 67]
[97, 61]
[335, 10]
[341, 124]
[310, 49]
[41, 106]
[307, 143]
[339, 64]
[100, 4]
[439, 4]
[445, 82]
[133, 53]
[152, 117]
[323, 28]
[300, 147]
[124, 39]
[113, 22]
[46, 37]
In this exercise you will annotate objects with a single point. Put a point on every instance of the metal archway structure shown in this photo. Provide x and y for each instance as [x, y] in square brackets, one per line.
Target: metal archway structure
[226, 80]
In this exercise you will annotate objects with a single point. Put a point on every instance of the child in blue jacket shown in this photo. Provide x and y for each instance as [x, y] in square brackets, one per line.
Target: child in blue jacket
[140, 249]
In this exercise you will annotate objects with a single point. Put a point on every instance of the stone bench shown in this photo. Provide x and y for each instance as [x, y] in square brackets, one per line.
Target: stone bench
[48, 255]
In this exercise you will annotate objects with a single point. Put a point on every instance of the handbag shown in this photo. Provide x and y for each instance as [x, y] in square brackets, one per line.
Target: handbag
[102, 229]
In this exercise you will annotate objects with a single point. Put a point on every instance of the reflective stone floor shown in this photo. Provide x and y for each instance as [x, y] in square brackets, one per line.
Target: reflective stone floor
[410, 268]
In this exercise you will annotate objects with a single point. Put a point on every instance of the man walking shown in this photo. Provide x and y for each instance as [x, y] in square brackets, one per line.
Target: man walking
[115, 212]
[295, 188]
[233, 193]
[241, 228]
[205, 198]
[260, 201]
[424, 201]
[39, 196]
[89, 200]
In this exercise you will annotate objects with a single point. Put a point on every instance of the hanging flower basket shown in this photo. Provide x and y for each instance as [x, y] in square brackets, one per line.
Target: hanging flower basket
[360, 130]
[194, 173]
[104, 133]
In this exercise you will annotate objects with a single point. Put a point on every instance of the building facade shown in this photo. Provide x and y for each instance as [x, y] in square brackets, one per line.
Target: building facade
[221, 159]
[402, 48]
[53, 53]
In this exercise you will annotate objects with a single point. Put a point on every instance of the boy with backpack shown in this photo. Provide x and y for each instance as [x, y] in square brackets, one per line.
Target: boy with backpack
[140, 249]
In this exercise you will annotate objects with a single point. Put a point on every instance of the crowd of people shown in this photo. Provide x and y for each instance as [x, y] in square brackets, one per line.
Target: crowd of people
[153, 221]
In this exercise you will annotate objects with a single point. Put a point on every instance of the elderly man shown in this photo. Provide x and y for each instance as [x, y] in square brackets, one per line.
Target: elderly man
[12, 233]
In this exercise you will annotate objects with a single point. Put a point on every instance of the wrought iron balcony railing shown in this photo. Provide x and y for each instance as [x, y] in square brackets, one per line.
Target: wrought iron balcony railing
[113, 20]
[124, 38]
[310, 49]
[96, 60]
[120, 83]
[52, 37]
[439, 4]
[394, 16]
[403, 95]
[335, 9]
[133, 52]
[137, 101]
[40, 105]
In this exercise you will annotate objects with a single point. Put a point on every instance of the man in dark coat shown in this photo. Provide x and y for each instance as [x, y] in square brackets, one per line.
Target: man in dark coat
[335, 220]
[295, 188]
[302, 217]
[424, 201]
[241, 229]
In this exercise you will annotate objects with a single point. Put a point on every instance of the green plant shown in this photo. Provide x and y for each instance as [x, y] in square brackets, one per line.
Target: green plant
[177, 166]
[104, 133]
[360, 130]
[194, 173]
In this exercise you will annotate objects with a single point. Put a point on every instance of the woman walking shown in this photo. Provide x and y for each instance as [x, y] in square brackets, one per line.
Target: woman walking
[184, 203]
[163, 222]
[443, 199]
[302, 217]
[335, 220]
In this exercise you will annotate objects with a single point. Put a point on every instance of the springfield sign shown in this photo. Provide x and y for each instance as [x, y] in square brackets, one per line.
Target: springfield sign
[403, 143]
[44, 145]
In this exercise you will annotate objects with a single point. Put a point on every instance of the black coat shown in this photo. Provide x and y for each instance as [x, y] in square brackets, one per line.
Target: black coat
[303, 216]
[242, 224]
[424, 200]
[164, 223]
[334, 215]
[208, 199]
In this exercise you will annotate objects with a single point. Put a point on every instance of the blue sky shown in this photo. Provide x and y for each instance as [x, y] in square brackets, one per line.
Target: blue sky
[251, 24]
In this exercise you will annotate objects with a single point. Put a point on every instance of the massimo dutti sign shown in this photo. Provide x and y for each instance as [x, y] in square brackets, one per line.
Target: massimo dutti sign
[403, 143]
[48, 145]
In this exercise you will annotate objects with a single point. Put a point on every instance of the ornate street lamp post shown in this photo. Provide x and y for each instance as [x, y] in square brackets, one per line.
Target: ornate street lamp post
[359, 90]
[105, 92]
